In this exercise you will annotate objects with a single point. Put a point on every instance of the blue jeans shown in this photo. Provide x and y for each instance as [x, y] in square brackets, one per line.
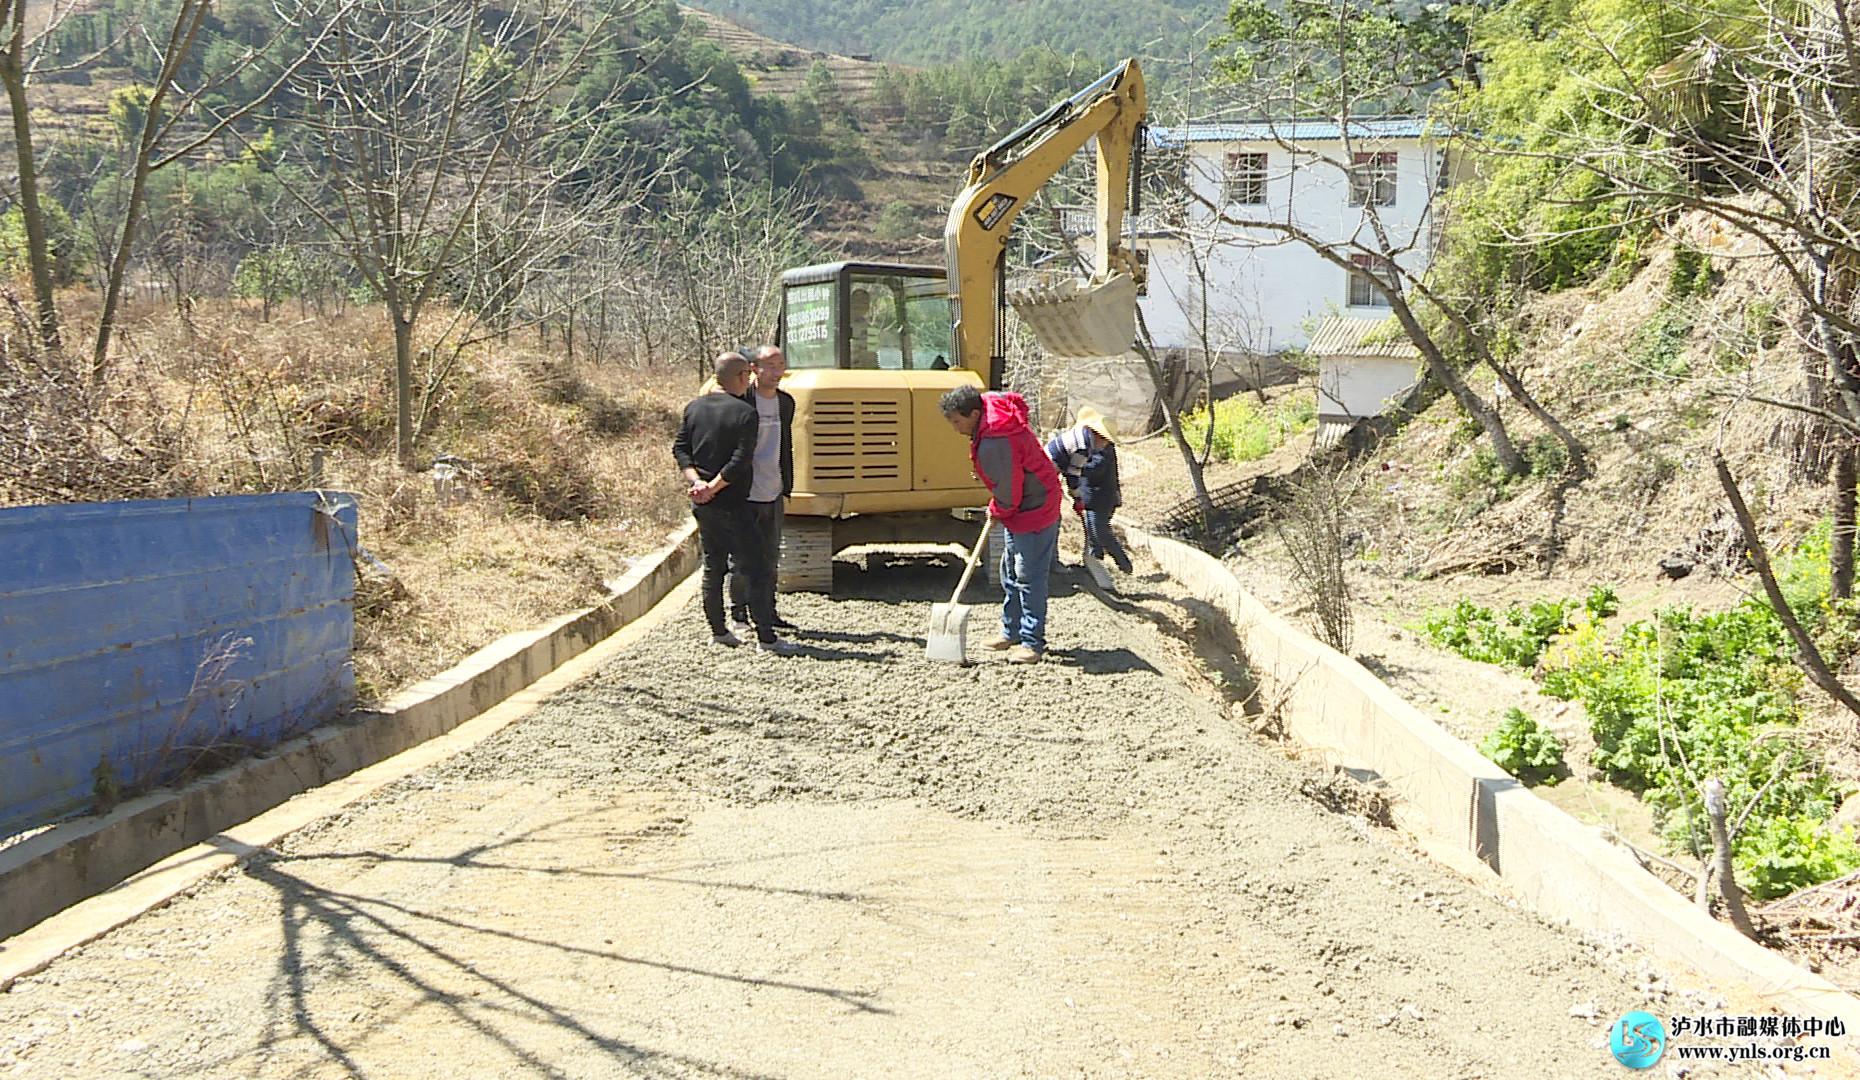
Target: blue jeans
[1101, 541]
[1025, 567]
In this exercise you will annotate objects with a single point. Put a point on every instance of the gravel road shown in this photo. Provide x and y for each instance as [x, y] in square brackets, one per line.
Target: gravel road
[850, 862]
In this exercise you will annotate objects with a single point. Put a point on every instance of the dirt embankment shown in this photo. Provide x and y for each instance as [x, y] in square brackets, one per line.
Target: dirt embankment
[848, 862]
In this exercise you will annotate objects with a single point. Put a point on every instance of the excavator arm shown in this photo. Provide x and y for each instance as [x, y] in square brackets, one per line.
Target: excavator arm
[1005, 177]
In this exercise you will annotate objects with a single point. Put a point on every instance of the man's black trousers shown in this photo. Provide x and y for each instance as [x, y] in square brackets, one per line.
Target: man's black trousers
[728, 534]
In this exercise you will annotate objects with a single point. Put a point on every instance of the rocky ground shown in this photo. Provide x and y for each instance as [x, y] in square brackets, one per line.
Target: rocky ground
[853, 862]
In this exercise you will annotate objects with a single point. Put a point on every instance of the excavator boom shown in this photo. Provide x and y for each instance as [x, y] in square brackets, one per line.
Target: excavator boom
[1090, 318]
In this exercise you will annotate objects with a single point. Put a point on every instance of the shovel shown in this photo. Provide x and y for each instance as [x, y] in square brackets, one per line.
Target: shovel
[949, 623]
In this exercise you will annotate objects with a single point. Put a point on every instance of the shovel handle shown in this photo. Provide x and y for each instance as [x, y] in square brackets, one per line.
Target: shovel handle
[975, 556]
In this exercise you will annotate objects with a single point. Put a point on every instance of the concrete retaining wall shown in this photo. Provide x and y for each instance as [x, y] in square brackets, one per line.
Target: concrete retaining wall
[1457, 799]
[80, 858]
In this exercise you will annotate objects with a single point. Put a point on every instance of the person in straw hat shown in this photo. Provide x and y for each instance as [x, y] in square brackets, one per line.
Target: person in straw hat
[1086, 455]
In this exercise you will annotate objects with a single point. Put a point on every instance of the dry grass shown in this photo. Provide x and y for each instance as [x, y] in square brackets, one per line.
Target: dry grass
[1649, 431]
[570, 466]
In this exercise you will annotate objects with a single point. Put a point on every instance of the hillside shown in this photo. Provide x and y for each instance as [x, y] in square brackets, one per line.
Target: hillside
[897, 166]
[1649, 624]
[945, 31]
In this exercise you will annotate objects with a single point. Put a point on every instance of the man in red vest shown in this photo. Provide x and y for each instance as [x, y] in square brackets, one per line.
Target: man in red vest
[1025, 498]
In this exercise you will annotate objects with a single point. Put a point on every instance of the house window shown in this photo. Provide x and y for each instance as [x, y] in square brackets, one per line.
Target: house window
[1372, 179]
[1245, 182]
[1366, 271]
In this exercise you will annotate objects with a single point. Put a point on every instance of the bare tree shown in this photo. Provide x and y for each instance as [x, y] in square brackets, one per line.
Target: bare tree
[19, 61]
[448, 161]
[176, 120]
[719, 265]
[1315, 532]
[1355, 61]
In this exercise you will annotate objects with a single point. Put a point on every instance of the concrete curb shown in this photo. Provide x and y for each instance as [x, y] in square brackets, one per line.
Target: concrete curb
[66, 864]
[1460, 801]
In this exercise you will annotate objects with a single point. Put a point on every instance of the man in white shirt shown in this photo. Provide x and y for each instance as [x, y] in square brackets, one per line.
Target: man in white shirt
[772, 474]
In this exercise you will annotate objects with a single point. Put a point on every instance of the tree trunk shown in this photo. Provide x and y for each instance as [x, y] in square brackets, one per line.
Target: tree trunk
[403, 389]
[1160, 381]
[119, 269]
[1725, 873]
[38, 250]
[1841, 550]
[1438, 367]
[1578, 455]
[1808, 657]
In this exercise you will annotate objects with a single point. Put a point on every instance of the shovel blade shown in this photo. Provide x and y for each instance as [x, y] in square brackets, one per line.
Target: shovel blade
[949, 633]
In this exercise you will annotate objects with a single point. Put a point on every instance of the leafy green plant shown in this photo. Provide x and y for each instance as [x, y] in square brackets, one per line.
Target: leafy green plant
[1517, 636]
[1524, 748]
[1793, 853]
[1659, 346]
[1688, 696]
[1243, 431]
[1803, 574]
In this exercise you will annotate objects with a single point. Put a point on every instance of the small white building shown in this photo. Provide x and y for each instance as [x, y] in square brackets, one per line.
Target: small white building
[1365, 368]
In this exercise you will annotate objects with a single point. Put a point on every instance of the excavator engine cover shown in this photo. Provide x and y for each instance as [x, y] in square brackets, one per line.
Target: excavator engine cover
[1081, 317]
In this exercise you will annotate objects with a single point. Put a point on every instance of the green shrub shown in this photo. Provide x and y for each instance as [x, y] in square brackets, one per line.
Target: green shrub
[1659, 345]
[1685, 697]
[1762, 323]
[61, 243]
[1524, 748]
[897, 222]
[1691, 274]
[1481, 475]
[1547, 455]
[1516, 637]
[1243, 431]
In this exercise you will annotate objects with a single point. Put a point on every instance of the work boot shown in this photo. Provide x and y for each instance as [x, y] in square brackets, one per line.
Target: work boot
[1000, 644]
[1021, 654]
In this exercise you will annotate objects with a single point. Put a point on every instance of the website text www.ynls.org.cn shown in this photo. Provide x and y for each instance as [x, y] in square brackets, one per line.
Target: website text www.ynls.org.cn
[1753, 1052]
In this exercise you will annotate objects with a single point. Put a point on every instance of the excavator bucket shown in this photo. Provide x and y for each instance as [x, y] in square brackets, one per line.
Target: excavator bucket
[1081, 317]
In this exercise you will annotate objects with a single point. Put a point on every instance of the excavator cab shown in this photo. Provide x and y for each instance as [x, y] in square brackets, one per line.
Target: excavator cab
[866, 317]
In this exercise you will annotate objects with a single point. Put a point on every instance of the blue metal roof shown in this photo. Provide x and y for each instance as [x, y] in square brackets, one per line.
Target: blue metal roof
[1294, 131]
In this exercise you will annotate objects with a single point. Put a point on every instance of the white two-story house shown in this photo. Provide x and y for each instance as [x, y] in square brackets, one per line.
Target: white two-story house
[1245, 293]
[1262, 289]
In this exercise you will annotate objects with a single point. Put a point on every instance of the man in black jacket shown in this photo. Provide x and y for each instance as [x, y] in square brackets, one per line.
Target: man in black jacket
[771, 476]
[715, 448]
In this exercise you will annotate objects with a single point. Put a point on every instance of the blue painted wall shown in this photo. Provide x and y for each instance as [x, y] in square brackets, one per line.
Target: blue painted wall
[139, 632]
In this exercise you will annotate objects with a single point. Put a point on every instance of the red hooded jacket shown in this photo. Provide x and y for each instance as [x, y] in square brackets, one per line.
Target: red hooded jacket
[1027, 498]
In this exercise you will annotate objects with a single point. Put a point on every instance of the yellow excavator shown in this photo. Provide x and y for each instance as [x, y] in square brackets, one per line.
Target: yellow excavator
[872, 347]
